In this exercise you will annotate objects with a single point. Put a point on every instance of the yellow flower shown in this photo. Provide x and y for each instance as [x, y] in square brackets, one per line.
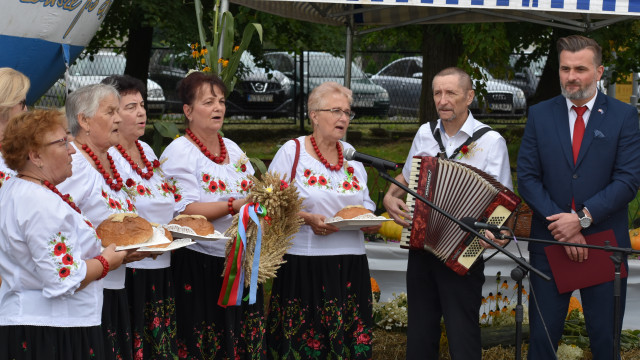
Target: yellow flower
[220, 61]
[195, 54]
[484, 316]
[203, 61]
[235, 48]
[513, 312]
[225, 63]
[491, 297]
[206, 69]
[505, 285]
[193, 46]
[177, 136]
[205, 51]
[574, 304]
[269, 189]
[484, 300]
[504, 309]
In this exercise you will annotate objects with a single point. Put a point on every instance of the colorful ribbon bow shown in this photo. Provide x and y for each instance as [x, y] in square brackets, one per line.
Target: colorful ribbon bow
[232, 285]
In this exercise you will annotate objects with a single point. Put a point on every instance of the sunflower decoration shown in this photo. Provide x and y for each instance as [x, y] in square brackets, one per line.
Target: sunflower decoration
[270, 219]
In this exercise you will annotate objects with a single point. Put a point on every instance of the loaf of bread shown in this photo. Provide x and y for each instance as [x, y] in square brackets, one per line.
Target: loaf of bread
[349, 212]
[124, 229]
[198, 223]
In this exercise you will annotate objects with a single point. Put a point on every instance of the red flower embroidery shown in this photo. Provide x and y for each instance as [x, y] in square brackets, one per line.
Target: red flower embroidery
[244, 185]
[1, 175]
[464, 150]
[67, 259]
[140, 189]
[350, 169]
[356, 185]
[112, 203]
[322, 180]
[139, 355]
[104, 194]
[346, 185]
[213, 186]
[222, 185]
[130, 182]
[307, 172]
[312, 180]
[118, 205]
[156, 164]
[129, 205]
[355, 178]
[164, 187]
[59, 249]
[89, 223]
[206, 178]
[64, 272]
[187, 287]
[24, 344]
[177, 197]
[243, 167]
[283, 185]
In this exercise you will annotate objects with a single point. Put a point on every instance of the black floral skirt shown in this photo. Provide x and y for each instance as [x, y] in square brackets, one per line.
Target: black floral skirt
[24, 342]
[321, 308]
[206, 330]
[153, 313]
[116, 325]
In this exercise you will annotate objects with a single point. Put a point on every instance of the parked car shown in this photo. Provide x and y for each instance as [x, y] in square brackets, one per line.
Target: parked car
[526, 77]
[368, 98]
[260, 92]
[91, 70]
[402, 78]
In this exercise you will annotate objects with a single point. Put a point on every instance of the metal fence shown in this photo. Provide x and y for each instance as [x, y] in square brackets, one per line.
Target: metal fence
[386, 85]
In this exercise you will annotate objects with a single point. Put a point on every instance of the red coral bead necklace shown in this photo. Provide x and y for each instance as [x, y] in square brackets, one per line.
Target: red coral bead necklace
[207, 153]
[148, 165]
[116, 183]
[323, 160]
[66, 198]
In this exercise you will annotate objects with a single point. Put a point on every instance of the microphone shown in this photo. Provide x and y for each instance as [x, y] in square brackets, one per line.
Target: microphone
[352, 154]
[471, 222]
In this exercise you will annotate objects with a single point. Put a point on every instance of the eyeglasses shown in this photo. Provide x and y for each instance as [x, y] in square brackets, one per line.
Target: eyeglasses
[64, 140]
[337, 113]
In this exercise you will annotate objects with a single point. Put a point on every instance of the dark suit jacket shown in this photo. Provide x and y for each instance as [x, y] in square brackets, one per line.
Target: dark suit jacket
[607, 174]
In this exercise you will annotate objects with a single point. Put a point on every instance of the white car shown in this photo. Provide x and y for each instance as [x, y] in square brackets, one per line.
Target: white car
[87, 72]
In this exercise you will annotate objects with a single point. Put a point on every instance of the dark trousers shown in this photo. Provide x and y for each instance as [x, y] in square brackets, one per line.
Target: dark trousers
[597, 304]
[435, 291]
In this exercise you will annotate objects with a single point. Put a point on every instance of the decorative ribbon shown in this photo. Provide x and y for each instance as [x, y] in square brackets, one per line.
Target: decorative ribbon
[232, 285]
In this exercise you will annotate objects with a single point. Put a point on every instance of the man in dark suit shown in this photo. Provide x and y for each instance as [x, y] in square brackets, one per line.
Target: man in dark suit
[578, 168]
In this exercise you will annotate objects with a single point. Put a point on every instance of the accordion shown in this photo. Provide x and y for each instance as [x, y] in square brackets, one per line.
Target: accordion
[462, 191]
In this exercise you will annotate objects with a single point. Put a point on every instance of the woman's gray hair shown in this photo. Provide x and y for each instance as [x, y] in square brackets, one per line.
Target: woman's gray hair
[86, 100]
[318, 95]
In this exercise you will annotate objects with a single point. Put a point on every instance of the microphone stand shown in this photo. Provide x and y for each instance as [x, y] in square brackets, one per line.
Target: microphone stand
[381, 169]
[616, 258]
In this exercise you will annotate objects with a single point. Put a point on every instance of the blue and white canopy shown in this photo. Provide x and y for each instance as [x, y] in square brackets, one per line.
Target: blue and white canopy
[579, 15]
[37, 37]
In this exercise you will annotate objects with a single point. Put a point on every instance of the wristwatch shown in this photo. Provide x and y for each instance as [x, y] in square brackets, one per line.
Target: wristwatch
[585, 221]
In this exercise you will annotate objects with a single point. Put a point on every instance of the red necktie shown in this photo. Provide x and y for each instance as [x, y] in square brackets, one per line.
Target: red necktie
[578, 131]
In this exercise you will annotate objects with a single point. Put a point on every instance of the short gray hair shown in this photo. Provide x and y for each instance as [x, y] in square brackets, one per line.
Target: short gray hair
[318, 95]
[86, 100]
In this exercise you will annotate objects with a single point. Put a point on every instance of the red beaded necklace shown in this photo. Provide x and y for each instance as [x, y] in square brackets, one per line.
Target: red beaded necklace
[64, 197]
[53, 188]
[323, 160]
[134, 166]
[207, 153]
[115, 184]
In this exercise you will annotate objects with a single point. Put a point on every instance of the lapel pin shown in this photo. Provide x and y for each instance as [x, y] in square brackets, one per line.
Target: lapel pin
[600, 111]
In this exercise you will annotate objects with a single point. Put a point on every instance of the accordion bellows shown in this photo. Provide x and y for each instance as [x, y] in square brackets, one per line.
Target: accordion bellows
[462, 191]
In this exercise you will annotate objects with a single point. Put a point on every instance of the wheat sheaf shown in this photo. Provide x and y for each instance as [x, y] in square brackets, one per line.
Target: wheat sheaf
[281, 223]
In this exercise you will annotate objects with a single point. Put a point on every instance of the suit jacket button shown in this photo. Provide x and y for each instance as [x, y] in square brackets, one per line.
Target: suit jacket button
[575, 176]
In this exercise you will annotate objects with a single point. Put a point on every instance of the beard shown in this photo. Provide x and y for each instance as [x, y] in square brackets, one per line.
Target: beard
[582, 93]
[453, 116]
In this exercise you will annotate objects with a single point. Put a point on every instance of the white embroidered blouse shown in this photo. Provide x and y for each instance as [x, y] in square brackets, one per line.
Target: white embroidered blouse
[43, 247]
[198, 179]
[97, 200]
[325, 192]
[152, 198]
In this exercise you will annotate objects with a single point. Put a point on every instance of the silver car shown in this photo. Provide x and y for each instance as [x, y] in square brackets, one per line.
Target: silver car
[87, 72]
[402, 79]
